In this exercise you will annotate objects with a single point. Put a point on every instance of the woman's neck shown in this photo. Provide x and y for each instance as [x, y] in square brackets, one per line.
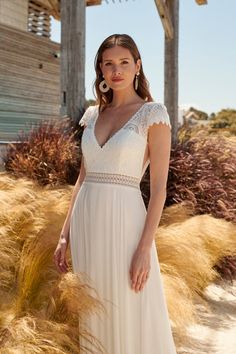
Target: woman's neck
[124, 97]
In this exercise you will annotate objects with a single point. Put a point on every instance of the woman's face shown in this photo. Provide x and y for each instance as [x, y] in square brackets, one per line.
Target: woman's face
[118, 67]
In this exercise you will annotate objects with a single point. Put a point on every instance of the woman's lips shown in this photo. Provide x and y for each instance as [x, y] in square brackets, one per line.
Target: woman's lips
[117, 80]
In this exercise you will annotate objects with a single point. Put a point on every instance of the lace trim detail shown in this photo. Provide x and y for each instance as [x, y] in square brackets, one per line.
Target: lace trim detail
[102, 177]
[86, 118]
[147, 115]
[158, 114]
[154, 113]
[133, 127]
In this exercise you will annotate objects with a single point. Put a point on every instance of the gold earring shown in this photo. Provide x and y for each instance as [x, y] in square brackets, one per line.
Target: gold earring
[136, 82]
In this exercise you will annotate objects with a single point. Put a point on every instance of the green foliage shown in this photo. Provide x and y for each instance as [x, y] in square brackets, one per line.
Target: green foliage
[225, 119]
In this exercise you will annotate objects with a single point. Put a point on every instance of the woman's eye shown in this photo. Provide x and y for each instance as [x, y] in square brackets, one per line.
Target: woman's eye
[123, 62]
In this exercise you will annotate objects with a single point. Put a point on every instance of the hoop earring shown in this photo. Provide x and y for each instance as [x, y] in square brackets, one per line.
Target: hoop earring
[136, 82]
[103, 87]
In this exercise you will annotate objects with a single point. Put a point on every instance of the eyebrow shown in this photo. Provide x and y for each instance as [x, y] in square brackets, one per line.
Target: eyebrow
[120, 59]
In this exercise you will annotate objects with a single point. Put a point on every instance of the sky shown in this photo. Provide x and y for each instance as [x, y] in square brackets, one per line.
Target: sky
[207, 47]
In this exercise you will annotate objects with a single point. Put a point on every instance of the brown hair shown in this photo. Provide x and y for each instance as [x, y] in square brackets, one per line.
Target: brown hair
[123, 40]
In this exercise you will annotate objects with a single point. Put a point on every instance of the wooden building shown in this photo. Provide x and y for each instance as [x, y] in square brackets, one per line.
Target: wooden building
[36, 82]
[29, 65]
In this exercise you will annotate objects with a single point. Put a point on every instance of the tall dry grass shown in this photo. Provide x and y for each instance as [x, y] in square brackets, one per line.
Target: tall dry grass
[42, 311]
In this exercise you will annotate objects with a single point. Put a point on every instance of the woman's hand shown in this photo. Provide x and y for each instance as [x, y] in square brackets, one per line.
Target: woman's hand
[60, 256]
[140, 267]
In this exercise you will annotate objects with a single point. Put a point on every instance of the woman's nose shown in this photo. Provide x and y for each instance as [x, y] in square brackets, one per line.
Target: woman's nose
[116, 70]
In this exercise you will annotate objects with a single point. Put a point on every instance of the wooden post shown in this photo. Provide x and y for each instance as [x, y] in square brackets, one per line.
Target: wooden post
[73, 14]
[171, 90]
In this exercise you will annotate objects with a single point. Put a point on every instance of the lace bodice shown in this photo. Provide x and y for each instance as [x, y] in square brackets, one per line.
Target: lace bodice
[123, 153]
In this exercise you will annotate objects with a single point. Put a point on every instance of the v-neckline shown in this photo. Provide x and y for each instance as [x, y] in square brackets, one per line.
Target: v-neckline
[120, 129]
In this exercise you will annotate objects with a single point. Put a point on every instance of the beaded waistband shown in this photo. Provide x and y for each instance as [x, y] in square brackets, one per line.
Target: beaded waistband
[116, 178]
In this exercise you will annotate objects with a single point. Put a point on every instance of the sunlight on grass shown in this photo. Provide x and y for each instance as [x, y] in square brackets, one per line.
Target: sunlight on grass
[43, 311]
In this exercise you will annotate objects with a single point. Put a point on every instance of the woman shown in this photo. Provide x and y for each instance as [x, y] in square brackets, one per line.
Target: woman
[110, 231]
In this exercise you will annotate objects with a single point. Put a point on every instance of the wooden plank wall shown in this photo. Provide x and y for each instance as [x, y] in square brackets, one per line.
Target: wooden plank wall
[29, 81]
[14, 13]
[39, 21]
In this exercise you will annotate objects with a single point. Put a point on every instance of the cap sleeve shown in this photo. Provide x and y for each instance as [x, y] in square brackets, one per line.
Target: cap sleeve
[86, 116]
[158, 114]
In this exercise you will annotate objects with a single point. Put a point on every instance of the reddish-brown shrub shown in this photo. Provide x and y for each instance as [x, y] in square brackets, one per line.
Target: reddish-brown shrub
[202, 171]
[48, 154]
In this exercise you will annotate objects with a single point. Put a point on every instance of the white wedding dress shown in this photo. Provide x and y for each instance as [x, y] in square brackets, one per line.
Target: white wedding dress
[106, 224]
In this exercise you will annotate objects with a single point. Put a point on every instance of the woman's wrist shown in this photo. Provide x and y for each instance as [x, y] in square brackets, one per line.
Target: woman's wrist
[63, 238]
[144, 246]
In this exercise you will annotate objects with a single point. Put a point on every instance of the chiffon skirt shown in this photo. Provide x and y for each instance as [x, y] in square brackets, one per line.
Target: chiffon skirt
[106, 225]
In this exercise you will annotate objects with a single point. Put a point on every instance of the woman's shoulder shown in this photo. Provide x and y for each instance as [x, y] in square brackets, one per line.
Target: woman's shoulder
[157, 113]
[154, 106]
[88, 114]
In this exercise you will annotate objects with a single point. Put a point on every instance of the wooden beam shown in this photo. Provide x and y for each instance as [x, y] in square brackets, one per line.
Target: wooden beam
[93, 2]
[164, 14]
[72, 58]
[201, 2]
[54, 6]
[171, 88]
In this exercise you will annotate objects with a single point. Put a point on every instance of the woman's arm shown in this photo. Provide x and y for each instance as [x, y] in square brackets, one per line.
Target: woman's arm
[66, 227]
[159, 143]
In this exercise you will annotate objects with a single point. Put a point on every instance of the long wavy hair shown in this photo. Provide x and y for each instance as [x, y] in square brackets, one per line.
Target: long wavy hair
[123, 40]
